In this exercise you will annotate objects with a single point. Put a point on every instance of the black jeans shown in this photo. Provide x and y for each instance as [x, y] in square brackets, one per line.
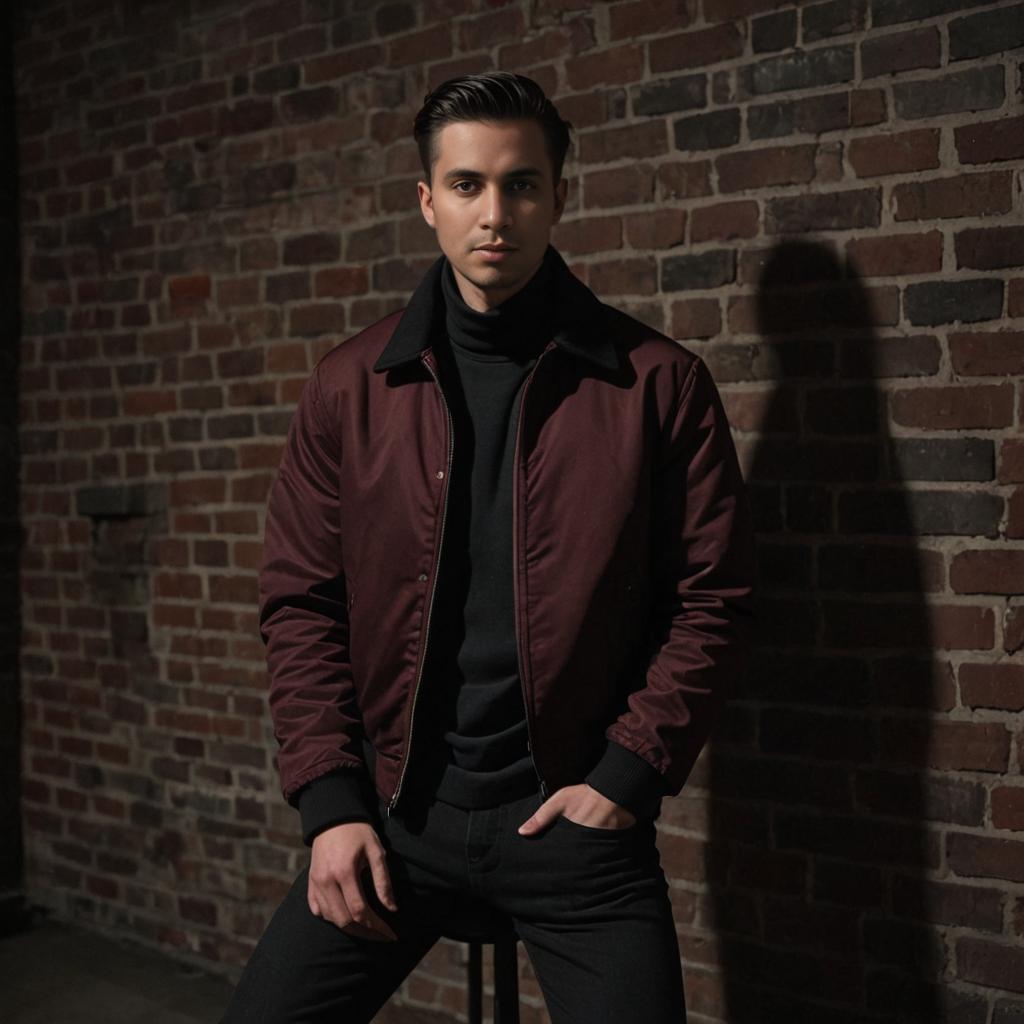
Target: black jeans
[590, 905]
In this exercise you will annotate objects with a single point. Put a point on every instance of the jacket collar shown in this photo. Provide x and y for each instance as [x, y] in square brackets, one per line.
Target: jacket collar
[580, 330]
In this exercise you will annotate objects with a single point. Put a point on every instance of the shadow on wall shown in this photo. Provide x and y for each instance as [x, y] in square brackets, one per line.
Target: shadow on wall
[819, 845]
[13, 911]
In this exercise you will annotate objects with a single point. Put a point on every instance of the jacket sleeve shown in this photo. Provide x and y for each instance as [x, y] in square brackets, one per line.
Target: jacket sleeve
[303, 619]
[703, 575]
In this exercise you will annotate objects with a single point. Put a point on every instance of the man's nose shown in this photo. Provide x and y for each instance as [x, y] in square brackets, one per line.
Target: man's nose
[496, 211]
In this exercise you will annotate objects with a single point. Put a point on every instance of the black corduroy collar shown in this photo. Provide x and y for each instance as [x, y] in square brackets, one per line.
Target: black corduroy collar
[577, 328]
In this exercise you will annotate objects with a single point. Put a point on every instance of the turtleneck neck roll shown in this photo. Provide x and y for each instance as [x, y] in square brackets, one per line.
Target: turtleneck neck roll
[512, 329]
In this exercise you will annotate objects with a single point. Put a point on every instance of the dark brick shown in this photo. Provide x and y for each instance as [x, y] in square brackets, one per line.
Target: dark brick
[276, 79]
[901, 51]
[323, 247]
[978, 35]
[990, 248]
[801, 70]
[260, 183]
[872, 568]
[944, 302]
[216, 459]
[812, 114]
[910, 513]
[707, 131]
[248, 115]
[842, 410]
[835, 18]
[833, 211]
[685, 92]
[895, 12]
[698, 270]
[234, 425]
[197, 198]
[955, 513]
[44, 321]
[971, 89]
[961, 458]
[392, 18]
[185, 428]
[988, 141]
[773, 32]
[310, 104]
[121, 500]
[282, 287]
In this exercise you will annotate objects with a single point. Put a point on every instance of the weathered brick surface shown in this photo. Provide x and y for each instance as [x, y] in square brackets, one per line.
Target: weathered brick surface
[821, 199]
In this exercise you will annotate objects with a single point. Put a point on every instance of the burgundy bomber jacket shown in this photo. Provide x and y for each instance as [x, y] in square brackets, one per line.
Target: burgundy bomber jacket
[633, 550]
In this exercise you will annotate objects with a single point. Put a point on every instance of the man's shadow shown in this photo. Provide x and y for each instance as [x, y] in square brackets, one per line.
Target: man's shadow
[820, 838]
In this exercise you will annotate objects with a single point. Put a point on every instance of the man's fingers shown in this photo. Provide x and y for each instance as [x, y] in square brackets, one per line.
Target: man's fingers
[360, 911]
[541, 818]
[382, 877]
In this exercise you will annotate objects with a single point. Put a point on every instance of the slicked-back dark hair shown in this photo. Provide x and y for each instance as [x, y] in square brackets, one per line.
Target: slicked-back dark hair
[490, 96]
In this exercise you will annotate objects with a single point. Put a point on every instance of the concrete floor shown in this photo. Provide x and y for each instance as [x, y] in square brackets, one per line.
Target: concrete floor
[56, 973]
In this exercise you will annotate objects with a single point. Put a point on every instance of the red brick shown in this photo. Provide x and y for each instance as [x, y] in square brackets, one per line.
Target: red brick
[996, 965]
[696, 318]
[897, 153]
[646, 139]
[965, 746]
[645, 17]
[999, 686]
[990, 248]
[479, 33]
[782, 165]
[614, 66]
[963, 195]
[197, 287]
[598, 234]
[988, 141]
[427, 45]
[867, 107]
[333, 66]
[896, 255]
[1008, 807]
[622, 186]
[987, 353]
[662, 229]
[989, 571]
[952, 407]
[1015, 514]
[684, 180]
[338, 282]
[1010, 465]
[698, 48]
[725, 221]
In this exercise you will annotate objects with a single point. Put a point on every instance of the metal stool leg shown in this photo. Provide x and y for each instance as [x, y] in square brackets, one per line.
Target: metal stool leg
[475, 1009]
[506, 981]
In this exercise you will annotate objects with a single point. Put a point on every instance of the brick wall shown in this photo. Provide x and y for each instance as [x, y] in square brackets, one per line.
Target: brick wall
[824, 200]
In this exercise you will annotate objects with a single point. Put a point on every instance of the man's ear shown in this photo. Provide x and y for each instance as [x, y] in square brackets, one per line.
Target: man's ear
[426, 202]
[561, 192]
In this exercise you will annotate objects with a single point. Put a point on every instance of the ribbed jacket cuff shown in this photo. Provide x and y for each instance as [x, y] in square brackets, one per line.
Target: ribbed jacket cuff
[333, 799]
[629, 780]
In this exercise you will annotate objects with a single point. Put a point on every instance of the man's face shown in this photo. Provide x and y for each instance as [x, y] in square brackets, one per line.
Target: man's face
[508, 199]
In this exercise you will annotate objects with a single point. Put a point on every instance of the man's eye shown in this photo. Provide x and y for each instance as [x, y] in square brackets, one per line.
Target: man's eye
[458, 184]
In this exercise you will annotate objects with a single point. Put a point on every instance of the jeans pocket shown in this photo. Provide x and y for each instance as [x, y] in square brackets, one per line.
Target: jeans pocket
[595, 832]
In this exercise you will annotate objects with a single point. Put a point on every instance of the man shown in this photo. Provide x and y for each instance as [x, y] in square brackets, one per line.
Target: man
[506, 588]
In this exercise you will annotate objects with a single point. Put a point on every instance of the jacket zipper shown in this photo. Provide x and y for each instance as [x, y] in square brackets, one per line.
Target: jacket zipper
[433, 589]
[515, 574]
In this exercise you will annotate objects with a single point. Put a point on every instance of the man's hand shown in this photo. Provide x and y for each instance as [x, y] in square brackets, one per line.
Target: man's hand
[582, 804]
[335, 890]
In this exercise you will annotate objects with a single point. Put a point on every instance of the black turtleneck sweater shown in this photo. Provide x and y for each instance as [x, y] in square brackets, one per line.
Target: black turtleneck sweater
[472, 736]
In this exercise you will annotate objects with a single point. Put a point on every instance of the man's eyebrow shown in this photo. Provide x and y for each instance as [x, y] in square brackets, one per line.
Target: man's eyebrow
[519, 172]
